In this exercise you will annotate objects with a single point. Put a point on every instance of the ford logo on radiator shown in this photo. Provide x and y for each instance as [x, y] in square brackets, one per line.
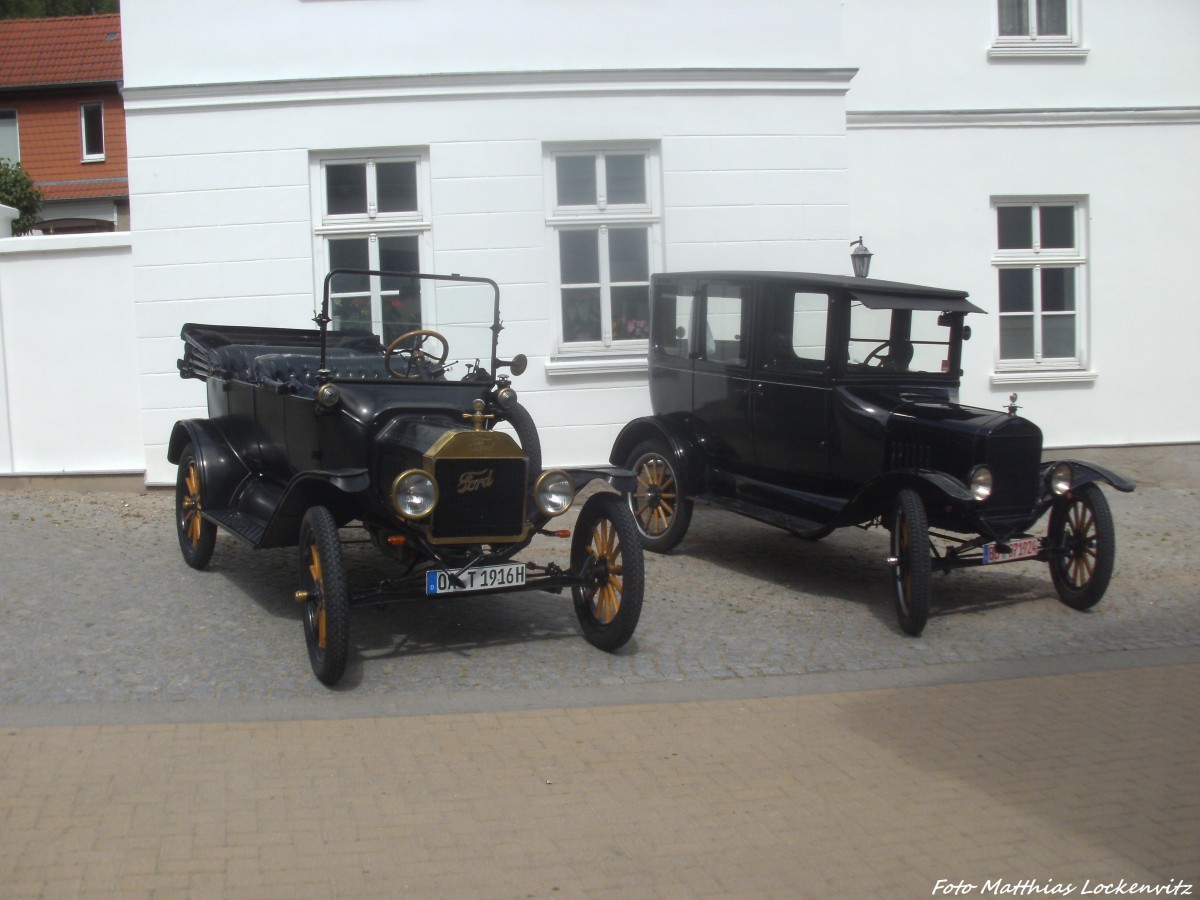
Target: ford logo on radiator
[474, 481]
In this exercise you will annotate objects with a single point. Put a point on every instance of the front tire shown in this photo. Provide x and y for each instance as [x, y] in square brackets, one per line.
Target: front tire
[913, 570]
[527, 436]
[197, 535]
[1084, 545]
[661, 510]
[606, 545]
[325, 594]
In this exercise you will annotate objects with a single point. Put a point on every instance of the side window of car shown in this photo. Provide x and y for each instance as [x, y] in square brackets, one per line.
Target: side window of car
[794, 336]
[673, 318]
[726, 338]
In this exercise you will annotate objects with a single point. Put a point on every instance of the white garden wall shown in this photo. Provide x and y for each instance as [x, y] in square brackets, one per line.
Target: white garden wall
[68, 364]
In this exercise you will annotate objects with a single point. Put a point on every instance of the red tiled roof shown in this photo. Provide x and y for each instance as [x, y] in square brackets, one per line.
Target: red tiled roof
[65, 50]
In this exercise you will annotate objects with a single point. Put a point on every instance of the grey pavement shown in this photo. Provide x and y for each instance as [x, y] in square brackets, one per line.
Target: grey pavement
[99, 607]
[769, 732]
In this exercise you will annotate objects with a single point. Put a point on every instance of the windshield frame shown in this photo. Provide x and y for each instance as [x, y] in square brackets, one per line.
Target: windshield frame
[323, 319]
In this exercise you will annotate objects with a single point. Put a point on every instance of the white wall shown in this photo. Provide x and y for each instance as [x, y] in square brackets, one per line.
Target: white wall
[753, 176]
[937, 127]
[923, 201]
[231, 42]
[68, 370]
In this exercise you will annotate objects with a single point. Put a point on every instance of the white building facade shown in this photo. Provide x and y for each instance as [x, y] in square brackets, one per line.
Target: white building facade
[566, 156]
[1041, 154]
[1037, 153]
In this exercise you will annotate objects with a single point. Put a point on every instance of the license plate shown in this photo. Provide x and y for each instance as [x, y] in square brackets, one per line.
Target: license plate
[1022, 548]
[485, 578]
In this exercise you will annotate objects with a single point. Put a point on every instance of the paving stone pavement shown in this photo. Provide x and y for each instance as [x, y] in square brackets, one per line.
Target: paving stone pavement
[768, 732]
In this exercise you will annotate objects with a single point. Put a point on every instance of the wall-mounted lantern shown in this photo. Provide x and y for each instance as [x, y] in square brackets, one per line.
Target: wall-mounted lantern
[860, 258]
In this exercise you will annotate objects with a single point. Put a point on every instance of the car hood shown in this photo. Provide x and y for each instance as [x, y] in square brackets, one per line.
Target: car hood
[903, 411]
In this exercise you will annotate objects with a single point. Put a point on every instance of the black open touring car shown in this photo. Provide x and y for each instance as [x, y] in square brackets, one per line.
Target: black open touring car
[365, 421]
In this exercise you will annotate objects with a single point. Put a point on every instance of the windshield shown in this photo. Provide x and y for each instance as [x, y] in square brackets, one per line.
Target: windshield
[901, 341]
[448, 319]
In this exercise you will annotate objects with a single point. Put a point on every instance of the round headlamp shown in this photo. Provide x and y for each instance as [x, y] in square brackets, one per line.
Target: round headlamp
[506, 398]
[981, 483]
[553, 492]
[328, 395]
[414, 494]
[1060, 479]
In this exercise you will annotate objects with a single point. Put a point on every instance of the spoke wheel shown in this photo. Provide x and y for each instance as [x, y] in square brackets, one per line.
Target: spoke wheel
[1083, 547]
[325, 595]
[197, 535]
[661, 510]
[605, 545]
[912, 570]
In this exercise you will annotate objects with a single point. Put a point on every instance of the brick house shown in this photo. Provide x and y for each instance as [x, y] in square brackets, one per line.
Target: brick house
[62, 118]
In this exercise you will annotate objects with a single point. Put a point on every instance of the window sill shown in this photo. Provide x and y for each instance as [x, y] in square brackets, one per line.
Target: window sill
[1037, 51]
[1043, 377]
[596, 365]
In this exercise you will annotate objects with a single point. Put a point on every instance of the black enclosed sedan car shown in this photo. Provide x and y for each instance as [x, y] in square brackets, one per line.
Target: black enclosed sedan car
[813, 402]
[310, 431]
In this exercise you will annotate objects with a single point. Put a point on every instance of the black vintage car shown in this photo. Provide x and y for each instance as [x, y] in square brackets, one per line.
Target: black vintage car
[310, 431]
[813, 402]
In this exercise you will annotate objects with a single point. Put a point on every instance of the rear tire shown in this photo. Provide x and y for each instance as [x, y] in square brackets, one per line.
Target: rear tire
[1082, 526]
[661, 510]
[326, 595]
[606, 543]
[197, 535]
[913, 570]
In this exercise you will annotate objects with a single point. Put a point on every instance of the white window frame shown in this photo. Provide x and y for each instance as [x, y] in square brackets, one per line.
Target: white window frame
[371, 225]
[83, 132]
[607, 354]
[1033, 45]
[1038, 368]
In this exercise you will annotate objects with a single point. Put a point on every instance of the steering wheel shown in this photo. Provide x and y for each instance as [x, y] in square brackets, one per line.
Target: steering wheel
[416, 354]
[875, 353]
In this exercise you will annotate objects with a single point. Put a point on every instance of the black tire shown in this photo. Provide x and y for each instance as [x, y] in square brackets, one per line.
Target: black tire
[606, 544]
[326, 595]
[1083, 546]
[913, 570]
[661, 510]
[527, 436]
[197, 535]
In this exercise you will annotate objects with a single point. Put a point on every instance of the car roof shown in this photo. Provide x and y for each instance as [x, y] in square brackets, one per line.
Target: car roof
[872, 292]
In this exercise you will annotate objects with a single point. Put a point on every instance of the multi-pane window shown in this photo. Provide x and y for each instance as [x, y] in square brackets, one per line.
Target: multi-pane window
[91, 126]
[372, 218]
[1040, 269]
[1032, 27]
[604, 222]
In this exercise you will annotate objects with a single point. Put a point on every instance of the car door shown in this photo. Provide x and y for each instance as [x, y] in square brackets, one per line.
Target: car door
[721, 375]
[791, 388]
[671, 359]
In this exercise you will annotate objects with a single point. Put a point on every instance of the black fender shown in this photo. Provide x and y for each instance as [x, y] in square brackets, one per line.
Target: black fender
[221, 469]
[875, 499]
[691, 461]
[1083, 472]
[334, 489]
[622, 480]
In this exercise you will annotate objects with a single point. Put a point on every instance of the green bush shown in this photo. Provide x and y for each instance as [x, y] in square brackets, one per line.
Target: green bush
[18, 191]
